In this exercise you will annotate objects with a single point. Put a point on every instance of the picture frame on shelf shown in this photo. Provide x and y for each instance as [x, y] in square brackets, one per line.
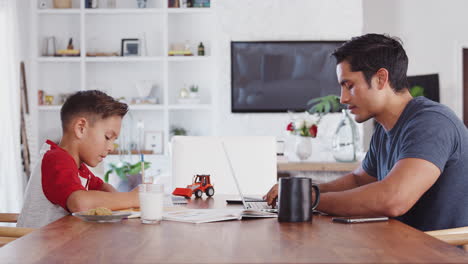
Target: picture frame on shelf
[130, 47]
[154, 141]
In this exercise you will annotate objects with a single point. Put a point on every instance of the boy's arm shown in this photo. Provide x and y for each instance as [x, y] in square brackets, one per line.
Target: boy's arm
[84, 200]
[107, 188]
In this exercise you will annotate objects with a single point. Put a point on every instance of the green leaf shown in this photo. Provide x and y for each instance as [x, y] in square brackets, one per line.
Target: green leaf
[416, 91]
[326, 104]
[106, 176]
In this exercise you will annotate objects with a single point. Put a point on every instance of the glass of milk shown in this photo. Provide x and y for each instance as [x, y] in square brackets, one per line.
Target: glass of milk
[151, 202]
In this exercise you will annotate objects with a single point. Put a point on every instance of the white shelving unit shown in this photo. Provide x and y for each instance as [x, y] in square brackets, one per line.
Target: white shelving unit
[101, 30]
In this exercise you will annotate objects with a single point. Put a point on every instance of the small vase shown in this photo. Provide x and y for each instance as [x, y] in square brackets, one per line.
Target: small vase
[141, 3]
[345, 139]
[303, 147]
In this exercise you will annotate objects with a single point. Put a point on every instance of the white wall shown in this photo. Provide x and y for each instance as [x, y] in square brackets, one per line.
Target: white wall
[433, 33]
[251, 20]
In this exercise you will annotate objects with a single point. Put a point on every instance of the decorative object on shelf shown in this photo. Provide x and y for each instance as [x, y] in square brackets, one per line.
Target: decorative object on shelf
[178, 131]
[173, 4]
[70, 44]
[183, 93]
[193, 91]
[346, 139]
[145, 92]
[62, 3]
[42, 5]
[304, 129]
[303, 147]
[40, 97]
[201, 49]
[102, 54]
[186, 97]
[128, 173]
[180, 49]
[111, 3]
[70, 51]
[130, 47]
[48, 48]
[141, 3]
[201, 3]
[63, 97]
[92, 4]
[49, 99]
[154, 141]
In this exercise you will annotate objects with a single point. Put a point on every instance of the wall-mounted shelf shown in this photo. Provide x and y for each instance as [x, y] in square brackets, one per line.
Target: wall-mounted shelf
[102, 30]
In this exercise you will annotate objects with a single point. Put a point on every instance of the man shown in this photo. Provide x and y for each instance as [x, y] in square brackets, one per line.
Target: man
[416, 169]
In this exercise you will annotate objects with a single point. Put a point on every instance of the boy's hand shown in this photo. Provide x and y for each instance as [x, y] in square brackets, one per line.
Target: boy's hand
[272, 195]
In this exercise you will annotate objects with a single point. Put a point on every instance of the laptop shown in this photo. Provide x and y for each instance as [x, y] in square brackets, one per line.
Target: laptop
[256, 205]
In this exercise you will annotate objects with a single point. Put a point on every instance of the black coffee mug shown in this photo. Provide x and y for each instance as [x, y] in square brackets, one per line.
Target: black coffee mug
[295, 199]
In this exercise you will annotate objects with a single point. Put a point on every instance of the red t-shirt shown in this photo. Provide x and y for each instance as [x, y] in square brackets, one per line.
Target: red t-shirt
[61, 177]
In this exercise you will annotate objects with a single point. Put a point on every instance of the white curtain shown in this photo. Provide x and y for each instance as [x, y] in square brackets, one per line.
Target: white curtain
[11, 173]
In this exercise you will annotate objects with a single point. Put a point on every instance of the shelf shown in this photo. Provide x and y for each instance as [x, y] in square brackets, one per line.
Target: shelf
[65, 11]
[146, 107]
[49, 107]
[123, 11]
[190, 107]
[58, 59]
[124, 59]
[192, 10]
[317, 166]
[188, 58]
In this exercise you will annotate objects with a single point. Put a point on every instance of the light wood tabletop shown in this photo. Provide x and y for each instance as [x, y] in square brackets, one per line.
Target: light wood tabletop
[71, 240]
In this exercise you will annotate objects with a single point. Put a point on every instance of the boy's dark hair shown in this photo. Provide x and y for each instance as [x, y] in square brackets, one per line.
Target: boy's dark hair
[94, 104]
[370, 52]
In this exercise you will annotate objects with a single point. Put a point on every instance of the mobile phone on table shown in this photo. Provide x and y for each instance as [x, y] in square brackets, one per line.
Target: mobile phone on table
[352, 220]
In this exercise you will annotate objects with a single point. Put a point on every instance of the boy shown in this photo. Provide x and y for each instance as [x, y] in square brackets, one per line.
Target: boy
[63, 184]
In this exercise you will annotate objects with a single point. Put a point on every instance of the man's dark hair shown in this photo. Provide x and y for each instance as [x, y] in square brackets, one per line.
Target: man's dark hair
[93, 104]
[370, 52]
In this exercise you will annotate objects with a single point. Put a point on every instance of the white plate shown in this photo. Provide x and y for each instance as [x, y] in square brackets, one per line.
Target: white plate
[115, 217]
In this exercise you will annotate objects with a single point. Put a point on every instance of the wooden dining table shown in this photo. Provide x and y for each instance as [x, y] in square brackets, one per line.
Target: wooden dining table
[72, 240]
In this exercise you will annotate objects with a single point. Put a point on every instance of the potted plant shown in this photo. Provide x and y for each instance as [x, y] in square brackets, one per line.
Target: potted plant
[128, 173]
[193, 91]
[346, 137]
[326, 104]
[178, 131]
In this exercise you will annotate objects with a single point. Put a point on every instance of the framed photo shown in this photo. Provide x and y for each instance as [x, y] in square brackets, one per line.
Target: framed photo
[130, 47]
[154, 141]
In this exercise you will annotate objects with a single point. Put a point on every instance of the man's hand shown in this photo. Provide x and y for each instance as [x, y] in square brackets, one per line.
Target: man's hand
[272, 196]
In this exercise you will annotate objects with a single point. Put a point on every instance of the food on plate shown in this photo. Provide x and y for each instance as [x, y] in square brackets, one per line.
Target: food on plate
[99, 211]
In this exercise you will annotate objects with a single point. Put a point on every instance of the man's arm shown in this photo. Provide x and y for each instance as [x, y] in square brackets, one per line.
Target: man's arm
[349, 181]
[84, 200]
[408, 180]
[108, 188]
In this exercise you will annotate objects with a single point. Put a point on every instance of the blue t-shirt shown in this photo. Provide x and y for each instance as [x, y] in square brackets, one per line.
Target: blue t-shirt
[430, 131]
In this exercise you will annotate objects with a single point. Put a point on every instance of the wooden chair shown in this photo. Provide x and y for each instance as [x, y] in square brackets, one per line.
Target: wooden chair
[454, 236]
[8, 234]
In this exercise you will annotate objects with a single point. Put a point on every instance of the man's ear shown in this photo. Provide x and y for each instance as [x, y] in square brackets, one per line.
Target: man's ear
[382, 78]
[80, 127]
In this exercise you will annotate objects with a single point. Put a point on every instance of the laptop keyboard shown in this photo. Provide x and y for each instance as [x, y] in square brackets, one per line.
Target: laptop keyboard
[258, 205]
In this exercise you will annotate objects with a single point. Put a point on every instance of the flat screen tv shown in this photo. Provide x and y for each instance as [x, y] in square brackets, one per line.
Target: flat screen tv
[281, 76]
